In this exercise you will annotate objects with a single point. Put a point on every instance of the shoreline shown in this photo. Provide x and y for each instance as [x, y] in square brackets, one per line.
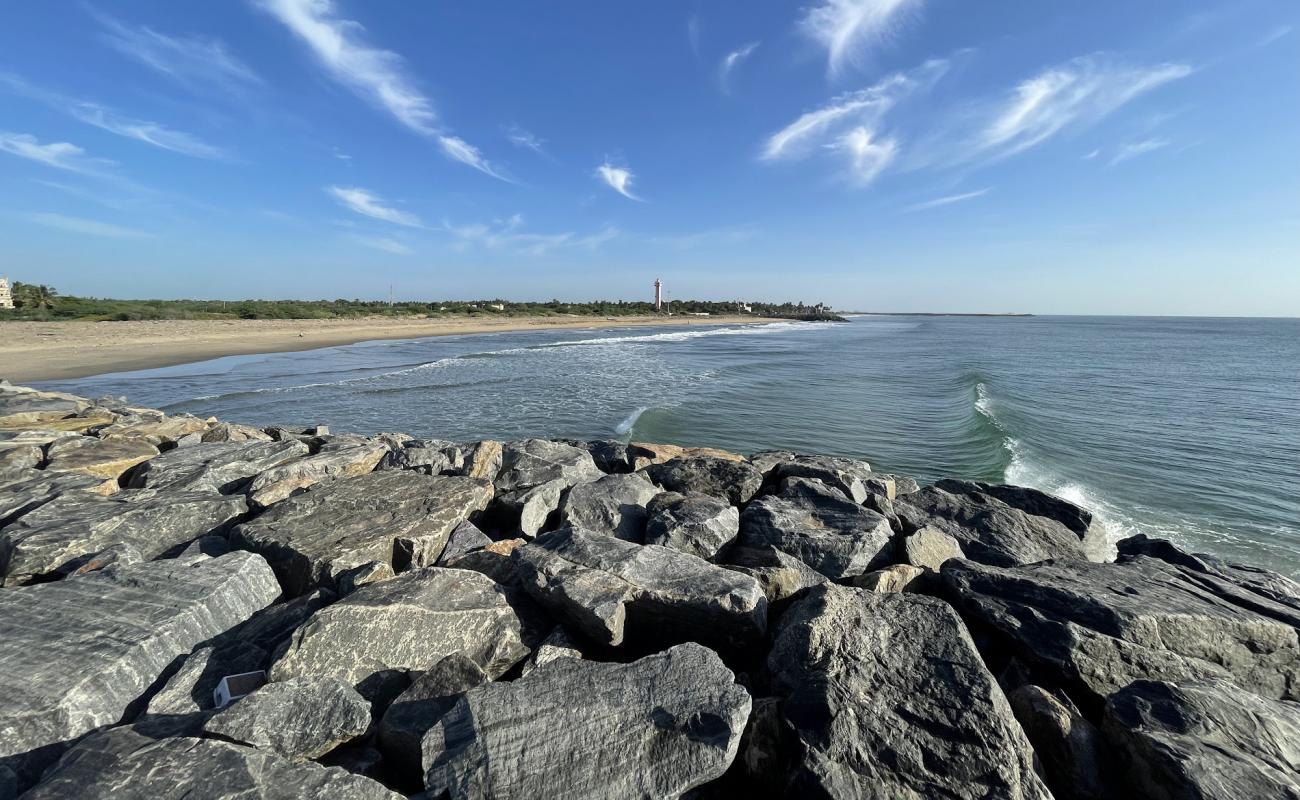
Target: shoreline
[53, 351]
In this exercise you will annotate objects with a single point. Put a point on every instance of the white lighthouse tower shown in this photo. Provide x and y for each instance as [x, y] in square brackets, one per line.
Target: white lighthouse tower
[659, 295]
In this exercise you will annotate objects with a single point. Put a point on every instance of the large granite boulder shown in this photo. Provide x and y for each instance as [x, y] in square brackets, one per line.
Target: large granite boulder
[1004, 525]
[399, 517]
[835, 536]
[79, 524]
[153, 427]
[610, 589]
[1075, 757]
[782, 576]
[430, 456]
[1252, 581]
[21, 406]
[614, 504]
[77, 654]
[532, 462]
[420, 706]
[847, 475]
[701, 524]
[301, 718]
[224, 467]
[464, 538]
[642, 454]
[342, 461]
[234, 432]
[529, 510]
[105, 459]
[29, 490]
[121, 764]
[888, 697]
[407, 623]
[1099, 627]
[734, 481]
[654, 728]
[1204, 739]
[483, 460]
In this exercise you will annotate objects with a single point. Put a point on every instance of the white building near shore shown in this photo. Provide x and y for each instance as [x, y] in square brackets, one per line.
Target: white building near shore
[6, 294]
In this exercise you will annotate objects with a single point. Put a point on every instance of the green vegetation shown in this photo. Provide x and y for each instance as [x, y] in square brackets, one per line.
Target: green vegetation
[42, 303]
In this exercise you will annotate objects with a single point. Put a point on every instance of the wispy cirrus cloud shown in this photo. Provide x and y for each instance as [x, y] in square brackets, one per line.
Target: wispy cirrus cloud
[947, 200]
[1135, 149]
[847, 28]
[60, 155]
[89, 227]
[383, 244]
[194, 61]
[367, 204]
[617, 178]
[378, 76]
[732, 60]
[524, 139]
[510, 234]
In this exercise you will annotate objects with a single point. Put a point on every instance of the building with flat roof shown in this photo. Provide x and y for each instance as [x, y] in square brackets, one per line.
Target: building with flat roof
[6, 294]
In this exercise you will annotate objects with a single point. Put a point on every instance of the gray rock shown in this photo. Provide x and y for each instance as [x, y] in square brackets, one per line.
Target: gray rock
[929, 548]
[993, 531]
[399, 517]
[350, 580]
[493, 561]
[846, 475]
[1073, 753]
[834, 536]
[1206, 739]
[608, 589]
[418, 709]
[530, 510]
[532, 462]
[464, 538]
[79, 524]
[734, 481]
[105, 459]
[701, 524]
[1252, 581]
[407, 623]
[301, 718]
[331, 463]
[121, 764]
[204, 547]
[610, 456]
[557, 644]
[654, 728]
[119, 554]
[432, 457]
[1099, 627]
[221, 467]
[892, 579]
[75, 655]
[614, 504]
[781, 576]
[25, 492]
[20, 405]
[232, 432]
[889, 698]
[483, 460]
[16, 459]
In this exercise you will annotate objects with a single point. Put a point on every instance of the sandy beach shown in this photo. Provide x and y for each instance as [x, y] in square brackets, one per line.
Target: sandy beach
[44, 351]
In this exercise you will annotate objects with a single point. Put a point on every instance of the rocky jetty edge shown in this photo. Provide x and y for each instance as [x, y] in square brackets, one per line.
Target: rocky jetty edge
[416, 617]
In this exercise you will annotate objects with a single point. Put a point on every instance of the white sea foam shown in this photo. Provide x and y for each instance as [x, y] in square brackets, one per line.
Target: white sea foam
[630, 421]
[678, 336]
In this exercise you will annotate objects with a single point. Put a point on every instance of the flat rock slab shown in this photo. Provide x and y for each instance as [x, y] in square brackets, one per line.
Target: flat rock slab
[1206, 739]
[21, 406]
[734, 481]
[702, 525]
[105, 459]
[217, 467]
[835, 536]
[399, 517]
[75, 654]
[28, 491]
[654, 728]
[300, 718]
[121, 764]
[610, 589]
[79, 524]
[532, 462]
[614, 504]
[347, 461]
[407, 623]
[849, 476]
[1100, 627]
[418, 709]
[888, 697]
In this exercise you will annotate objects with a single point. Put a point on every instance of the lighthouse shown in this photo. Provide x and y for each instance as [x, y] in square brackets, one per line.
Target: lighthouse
[659, 295]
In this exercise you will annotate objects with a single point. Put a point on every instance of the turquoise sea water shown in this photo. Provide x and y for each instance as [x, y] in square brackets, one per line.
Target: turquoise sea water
[1185, 428]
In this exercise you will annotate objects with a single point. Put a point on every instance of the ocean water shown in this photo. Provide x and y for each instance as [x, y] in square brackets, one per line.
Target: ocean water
[1182, 428]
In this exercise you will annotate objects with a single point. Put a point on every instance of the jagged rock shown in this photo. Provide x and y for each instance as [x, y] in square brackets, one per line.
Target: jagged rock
[614, 504]
[607, 588]
[902, 484]
[14, 459]
[892, 579]
[533, 462]
[432, 457]
[78, 525]
[483, 460]
[221, 467]
[780, 575]
[643, 454]
[75, 655]
[1206, 739]
[122, 553]
[701, 524]
[846, 475]
[399, 517]
[735, 481]
[153, 428]
[654, 728]
[26, 492]
[1252, 580]
[204, 547]
[888, 697]
[836, 537]
[419, 708]
[299, 718]
[407, 623]
[1099, 627]
[330, 463]
[493, 561]
[929, 548]
[233, 432]
[21, 406]
[610, 456]
[1074, 754]
[531, 510]
[121, 764]
[350, 580]
[764, 747]
[557, 644]
[1004, 525]
[105, 459]
[464, 538]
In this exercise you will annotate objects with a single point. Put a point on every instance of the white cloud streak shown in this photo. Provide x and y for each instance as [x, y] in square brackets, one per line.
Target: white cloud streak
[193, 61]
[60, 155]
[1135, 149]
[460, 150]
[617, 178]
[947, 200]
[848, 28]
[383, 244]
[867, 154]
[524, 139]
[732, 60]
[86, 226]
[507, 234]
[367, 204]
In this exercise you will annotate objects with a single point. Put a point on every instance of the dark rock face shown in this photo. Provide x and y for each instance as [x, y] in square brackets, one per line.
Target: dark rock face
[28, 491]
[330, 463]
[700, 524]
[532, 462]
[530, 510]
[1251, 581]
[1103, 626]
[75, 654]
[734, 481]
[609, 589]
[834, 536]
[614, 504]
[407, 623]
[398, 517]
[122, 764]
[1004, 525]
[419, 708]
[889, 698]
[846, 475]
[654, 728]
[1205, 739]
[464, 538]
[1074, 754]
[219, 467]
[431, 457]
[780, 575]
[299, 718]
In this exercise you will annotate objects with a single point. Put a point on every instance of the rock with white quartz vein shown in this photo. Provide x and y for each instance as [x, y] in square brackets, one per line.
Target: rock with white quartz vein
[218, 467]
[330, 463]
[300, 718]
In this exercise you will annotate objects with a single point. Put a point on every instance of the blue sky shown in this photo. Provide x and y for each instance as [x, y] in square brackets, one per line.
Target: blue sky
[1102, 157]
